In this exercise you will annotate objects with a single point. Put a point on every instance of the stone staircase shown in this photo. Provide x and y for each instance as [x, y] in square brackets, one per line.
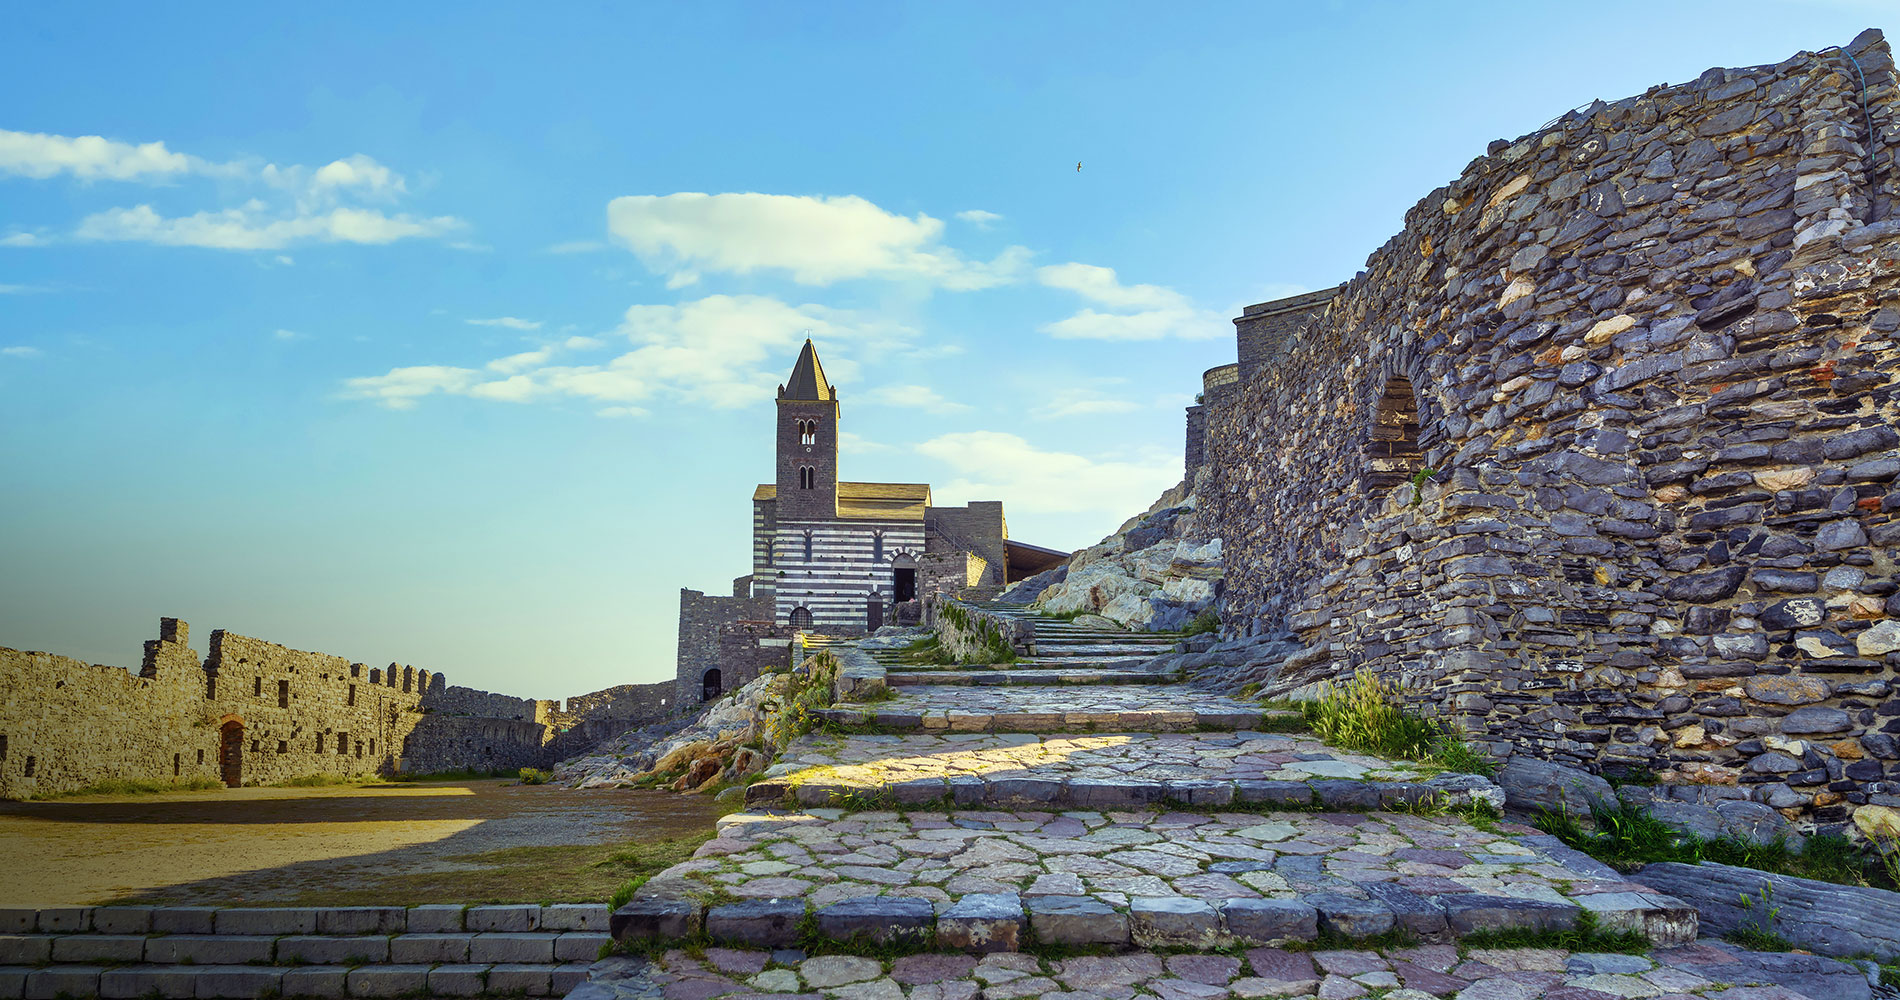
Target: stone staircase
[970, 814]
[354, 951]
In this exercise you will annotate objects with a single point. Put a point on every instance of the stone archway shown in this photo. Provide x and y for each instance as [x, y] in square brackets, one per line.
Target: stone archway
[903, 578]
[711, 685]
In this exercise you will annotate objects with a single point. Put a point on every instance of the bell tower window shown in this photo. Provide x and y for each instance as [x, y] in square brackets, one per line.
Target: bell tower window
[808, 432]
[807, 478]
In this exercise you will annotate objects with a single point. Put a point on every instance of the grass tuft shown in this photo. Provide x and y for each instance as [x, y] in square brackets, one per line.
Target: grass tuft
[137, 786]
[534, 776]
[1627, 836]
[1368, 716]
[1587, 935]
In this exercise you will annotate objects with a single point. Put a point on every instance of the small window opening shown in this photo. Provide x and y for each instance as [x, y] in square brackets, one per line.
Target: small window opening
[31, 762]
[319, 742]
[808, 432]
[257, 746]
[352, 696]
[283, 746]
[201, 756]
[808, 546]
[372, 745]
[211, 686]
[1392, 452]
[257, 687]
[877, 546]
[805, 477]
[359, 749]
[283, 694]
[342, 744]
[3, 746]
[178, 764]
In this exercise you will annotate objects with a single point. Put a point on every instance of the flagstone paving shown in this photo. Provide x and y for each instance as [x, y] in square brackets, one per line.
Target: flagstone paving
[1715, 971]
[1108, 769]
[1051, 709]
[1116, 878]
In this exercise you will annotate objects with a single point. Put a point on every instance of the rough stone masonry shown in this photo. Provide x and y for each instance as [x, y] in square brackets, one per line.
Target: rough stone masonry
[1598, 455]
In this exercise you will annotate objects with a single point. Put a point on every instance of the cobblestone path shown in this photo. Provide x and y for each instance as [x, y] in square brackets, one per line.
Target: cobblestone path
[986, 815]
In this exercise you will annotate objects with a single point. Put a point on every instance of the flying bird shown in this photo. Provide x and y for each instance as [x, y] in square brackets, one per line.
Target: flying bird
[1078, 166]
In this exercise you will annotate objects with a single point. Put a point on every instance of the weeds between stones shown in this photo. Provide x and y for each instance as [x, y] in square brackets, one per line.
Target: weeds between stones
[1761, 935]
[138, 786]
[645, 860]
[1368, 716]
[1627, 836]
[1587, 935]
[1203, 623]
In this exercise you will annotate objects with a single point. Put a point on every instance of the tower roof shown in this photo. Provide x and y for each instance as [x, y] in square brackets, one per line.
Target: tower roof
[808, 378]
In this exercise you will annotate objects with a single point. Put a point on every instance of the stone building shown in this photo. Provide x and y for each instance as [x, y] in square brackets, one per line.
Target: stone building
[1598, 456]
[254, 712]
[837, 556]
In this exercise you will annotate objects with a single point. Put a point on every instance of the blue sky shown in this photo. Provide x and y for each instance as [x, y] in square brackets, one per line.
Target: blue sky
[447, 334]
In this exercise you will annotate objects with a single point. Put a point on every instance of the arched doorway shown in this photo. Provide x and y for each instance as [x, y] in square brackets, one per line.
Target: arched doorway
[710, 686]
[903, 579]
[801, 617]
[231, 753]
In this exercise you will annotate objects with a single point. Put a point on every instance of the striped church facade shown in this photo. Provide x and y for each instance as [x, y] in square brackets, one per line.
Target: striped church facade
[827, 573]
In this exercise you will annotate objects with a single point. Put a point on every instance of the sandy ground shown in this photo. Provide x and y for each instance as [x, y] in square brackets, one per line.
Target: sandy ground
[397, 843]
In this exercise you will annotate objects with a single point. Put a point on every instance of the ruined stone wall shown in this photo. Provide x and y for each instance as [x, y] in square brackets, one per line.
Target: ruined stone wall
[65, 724]
[702, 618]
[977, 527]
[1261, 331]
[749, 649]
[1649, 356]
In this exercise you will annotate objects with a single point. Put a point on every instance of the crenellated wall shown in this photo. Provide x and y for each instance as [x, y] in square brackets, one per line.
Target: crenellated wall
[1598, 455]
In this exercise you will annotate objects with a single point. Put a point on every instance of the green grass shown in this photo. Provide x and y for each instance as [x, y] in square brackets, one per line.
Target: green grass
[1585, 936]
[1205, 622]
[1368, 716]
[1627, 836]
[137, 786]
[534, 776]
[645, 859]
[328, 780]
[458, 774]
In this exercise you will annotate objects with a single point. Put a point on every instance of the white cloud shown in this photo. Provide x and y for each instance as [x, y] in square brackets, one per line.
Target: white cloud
[1081, 401]
[250, 227]
[722, 351]
[20, 289]
[1157, 311]
[285, 260]
[917, 397]
[620, 411]
[511, 322]
[816, 240]
[990, 465]
[20, 351]
[358, 174]
[287, 335]
[89, 157]
[857, 444]
[979, 218]
[22, 239]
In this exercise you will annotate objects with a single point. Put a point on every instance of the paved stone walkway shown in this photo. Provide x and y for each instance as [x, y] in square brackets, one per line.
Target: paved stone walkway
[1718, 972]
[1049, 709]
[1104, 770]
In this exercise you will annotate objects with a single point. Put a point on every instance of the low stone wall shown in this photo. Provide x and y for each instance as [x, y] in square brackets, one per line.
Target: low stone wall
[968, 634]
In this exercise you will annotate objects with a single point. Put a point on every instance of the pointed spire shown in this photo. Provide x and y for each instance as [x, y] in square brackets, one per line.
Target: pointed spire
[808, 377]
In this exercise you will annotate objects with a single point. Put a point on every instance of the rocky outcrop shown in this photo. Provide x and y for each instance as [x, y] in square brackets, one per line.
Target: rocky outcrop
[1155, 573]
[725, 743]
[1820, 916]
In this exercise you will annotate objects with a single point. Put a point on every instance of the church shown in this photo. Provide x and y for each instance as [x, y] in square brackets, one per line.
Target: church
[836, 556]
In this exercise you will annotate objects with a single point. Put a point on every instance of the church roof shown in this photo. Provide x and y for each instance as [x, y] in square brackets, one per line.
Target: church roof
[808, 378]
[874, 501]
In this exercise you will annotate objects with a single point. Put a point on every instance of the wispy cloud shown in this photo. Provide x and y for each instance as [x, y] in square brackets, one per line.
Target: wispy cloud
[20, 351]
[979, 218]
[511, 322]
[288, 335]
[1145, 312]
[252, 227]
[22, 289]
[1032, 480]
[916, 397]
[814, 240]
[1083, 401]
[22, 239]
[90, 157]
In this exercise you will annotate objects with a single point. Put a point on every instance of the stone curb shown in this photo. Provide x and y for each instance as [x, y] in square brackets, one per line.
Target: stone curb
[183, 982]
[338, 921]
[1025, 789]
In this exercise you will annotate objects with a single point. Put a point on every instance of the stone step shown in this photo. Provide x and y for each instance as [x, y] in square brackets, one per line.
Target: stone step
[247, 981]
[1104, 770]
[988, 881]
[1045, 675]
[301, 949]
[434, 918]
[1051, 709]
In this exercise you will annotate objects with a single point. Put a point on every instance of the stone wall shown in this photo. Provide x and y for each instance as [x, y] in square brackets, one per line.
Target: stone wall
[1597, 455]
[701, 620]
[286, 713]
[1261, 331]
[976, 527]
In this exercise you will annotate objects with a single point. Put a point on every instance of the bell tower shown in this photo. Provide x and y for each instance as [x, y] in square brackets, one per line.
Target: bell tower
[807, 443]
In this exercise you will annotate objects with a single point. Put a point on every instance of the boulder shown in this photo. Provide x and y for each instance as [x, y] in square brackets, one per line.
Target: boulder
[1531, 785]
[1822, 917]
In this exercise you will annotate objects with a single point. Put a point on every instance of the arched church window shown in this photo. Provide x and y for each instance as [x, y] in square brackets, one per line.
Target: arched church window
[808, 546]
[877, 546]
[808, 432]
[807, 478]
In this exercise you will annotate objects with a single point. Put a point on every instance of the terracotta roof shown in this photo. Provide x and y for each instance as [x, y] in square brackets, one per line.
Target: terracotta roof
[808, 378]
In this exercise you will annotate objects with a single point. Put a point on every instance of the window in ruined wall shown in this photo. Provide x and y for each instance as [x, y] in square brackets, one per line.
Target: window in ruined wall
[283, 746]
[257, 687]
[1392, 454]
[342, 744]
[351, 700]
[30, 764]
[283, 694]
[211, 686]
[3, 746]
[178, 764]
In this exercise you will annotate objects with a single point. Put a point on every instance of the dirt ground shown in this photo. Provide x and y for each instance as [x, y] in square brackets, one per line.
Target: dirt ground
[451, 842]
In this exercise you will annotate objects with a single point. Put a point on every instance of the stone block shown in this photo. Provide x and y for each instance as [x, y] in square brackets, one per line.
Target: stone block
[580, 946]
[762, 923]
[1469, 913]
[1339, 793]
[25, 949]
[879, 919]
[413, 949]
[1173, 921]
[534, 980]
[272, 921]
[387, 980]
[1413, 913]
[64, 920]
[169, 982]
[1351, 917]
[241, 982]
[332, 950]
[1278, 793]
[509, 919]
[13, 980]
[362, 920]
[1665, 920]
[122, 919]
[99, 948]
[1078, 920]
[207, 949]
[184, 919]
[18, 919]
[62, 980]
[508, 947]
[1531, 785]
[575, 917]
[434, 918]
[982, 922]
[655, 917]
[1269, 921]
[316, 981]
[458, 980]
[569, 977]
